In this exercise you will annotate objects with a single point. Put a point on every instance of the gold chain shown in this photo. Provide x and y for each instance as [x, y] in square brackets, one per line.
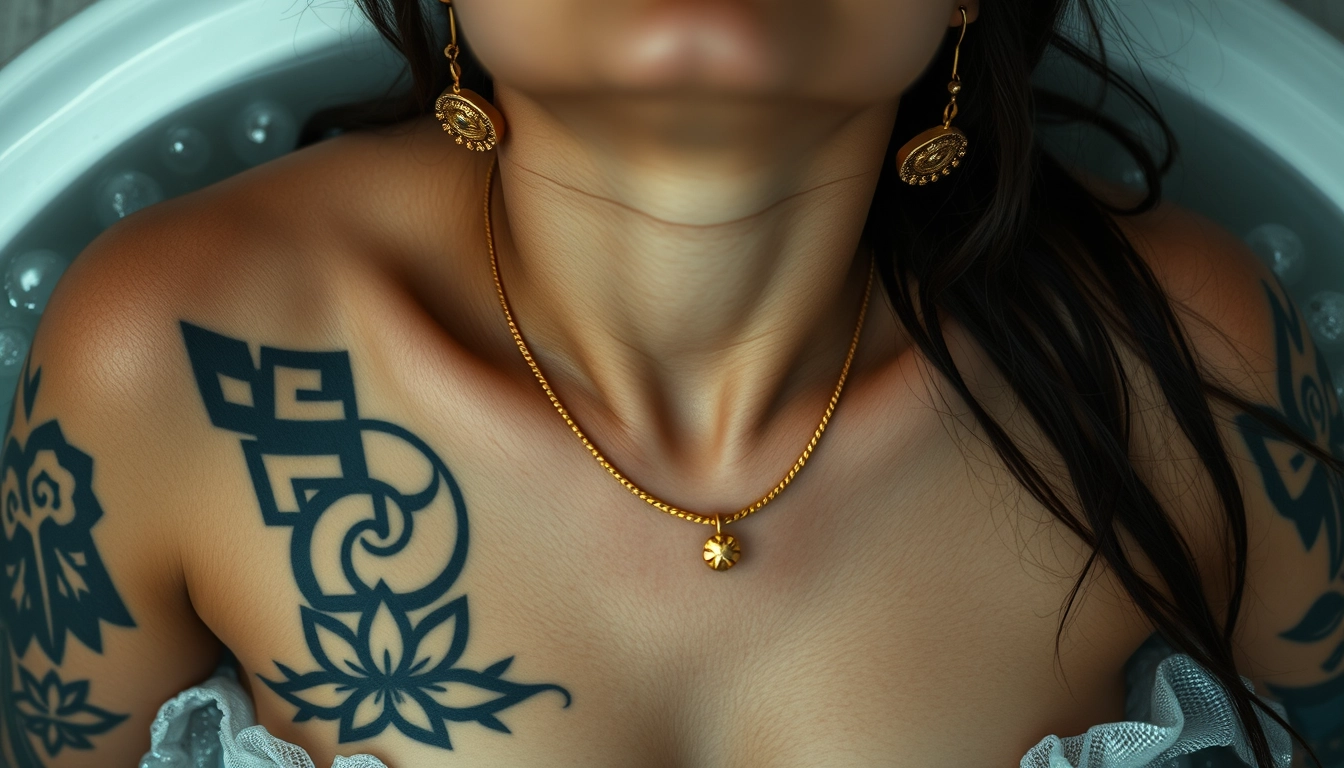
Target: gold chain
[715, 520]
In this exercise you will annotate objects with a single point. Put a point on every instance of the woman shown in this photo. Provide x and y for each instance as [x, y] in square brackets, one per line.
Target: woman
[287, 416]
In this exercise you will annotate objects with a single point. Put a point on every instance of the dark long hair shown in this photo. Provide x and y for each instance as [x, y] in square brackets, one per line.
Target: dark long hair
[981, 249]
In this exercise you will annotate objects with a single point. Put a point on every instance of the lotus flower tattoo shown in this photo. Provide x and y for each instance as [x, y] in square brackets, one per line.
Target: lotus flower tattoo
[52, 585]
[388, 672]
[58, 713]
[379, 534]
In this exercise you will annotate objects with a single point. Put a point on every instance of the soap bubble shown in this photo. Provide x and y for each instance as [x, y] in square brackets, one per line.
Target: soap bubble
[125, 193]
[1128, 172]
[1120, 166]
[1281, 248]
[30, 278]
[1325, 317]
[263, 131]
[14, 343]
[185, 149]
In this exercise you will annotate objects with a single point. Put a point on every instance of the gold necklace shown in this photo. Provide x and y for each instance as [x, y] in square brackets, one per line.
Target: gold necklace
[721, 551]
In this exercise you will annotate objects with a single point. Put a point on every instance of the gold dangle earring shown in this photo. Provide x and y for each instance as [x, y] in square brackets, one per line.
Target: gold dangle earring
[937, 151]
[473, 121]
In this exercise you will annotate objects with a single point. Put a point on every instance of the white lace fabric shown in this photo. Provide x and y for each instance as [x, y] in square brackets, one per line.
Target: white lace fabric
[1176, 706]
[213, 726]
[1177, 709]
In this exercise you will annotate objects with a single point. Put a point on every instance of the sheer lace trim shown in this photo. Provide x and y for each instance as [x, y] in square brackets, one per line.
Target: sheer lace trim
[1177, 708]
[213, 726]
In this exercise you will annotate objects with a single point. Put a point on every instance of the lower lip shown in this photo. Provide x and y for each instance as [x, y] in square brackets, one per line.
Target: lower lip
[717, 44]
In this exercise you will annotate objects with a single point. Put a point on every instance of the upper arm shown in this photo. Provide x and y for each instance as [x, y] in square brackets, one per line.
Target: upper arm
[98, 630]
[1290, 640]
[1252, 339]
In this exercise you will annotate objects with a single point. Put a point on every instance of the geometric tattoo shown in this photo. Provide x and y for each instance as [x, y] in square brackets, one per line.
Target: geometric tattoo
[378, 538]
[1311, 496]
[53, 583]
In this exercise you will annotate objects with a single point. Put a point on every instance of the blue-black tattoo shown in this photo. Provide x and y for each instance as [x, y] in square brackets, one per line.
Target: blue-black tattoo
[54, 579]
[58, 713]
[52, 583]
[383, 629]
[1310, 495]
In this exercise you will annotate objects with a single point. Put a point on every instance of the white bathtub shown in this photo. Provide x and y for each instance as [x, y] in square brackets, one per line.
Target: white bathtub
[119, 105]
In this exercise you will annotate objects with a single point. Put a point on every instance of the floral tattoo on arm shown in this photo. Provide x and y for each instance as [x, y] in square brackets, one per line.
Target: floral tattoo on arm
[52, 585]
[1311, 496]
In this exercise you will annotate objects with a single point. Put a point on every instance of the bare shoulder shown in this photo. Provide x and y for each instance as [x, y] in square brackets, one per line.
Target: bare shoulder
[109, 442]
[268, 247]
[1216, 285]
[1223, 298]
[269, 255]
[1253, 340]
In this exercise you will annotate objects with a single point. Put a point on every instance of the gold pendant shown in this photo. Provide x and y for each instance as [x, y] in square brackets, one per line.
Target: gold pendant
[721, 550]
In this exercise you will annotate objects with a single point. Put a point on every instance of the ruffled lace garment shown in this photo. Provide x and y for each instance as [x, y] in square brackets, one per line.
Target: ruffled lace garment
[1179, 718]
[213, 726]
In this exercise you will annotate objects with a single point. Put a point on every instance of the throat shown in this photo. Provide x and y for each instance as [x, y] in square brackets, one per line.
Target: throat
[704, 365]
[683, 309]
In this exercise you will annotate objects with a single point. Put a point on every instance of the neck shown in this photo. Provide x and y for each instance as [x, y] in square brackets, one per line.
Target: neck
[686, 274]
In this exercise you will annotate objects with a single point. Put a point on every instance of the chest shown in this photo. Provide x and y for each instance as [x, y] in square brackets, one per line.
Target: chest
[465, 576]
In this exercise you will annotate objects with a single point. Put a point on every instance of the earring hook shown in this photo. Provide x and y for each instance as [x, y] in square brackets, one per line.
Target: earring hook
[954, 85]
[956, 52]
[452, 50]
